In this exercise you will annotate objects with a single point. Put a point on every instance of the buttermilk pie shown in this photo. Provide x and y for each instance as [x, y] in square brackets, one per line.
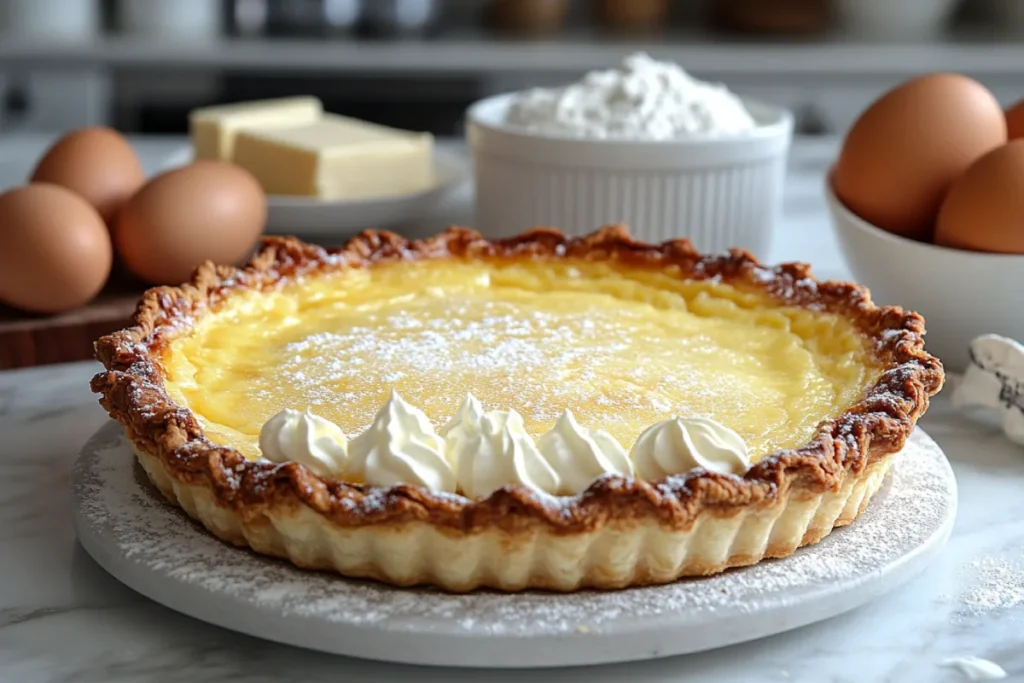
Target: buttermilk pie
[537, 412]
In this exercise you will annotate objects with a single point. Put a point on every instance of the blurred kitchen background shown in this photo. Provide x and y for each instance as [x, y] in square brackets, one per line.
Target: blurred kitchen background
[141, 65]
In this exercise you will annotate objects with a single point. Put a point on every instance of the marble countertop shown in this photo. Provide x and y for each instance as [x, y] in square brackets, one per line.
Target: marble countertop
[62, 618]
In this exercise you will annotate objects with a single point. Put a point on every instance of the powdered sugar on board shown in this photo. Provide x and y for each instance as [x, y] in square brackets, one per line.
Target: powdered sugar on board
[996, 583]
[119, 510]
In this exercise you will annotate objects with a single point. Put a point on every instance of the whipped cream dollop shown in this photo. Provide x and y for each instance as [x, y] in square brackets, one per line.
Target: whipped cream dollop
[463, 426]
[645, 99]
[497, 451]
[682, 444]
[400, 447]
[579, 455]
[305, 438]
[480, 451]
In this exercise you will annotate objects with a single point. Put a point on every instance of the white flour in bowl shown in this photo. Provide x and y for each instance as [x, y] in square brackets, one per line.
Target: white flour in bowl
[644, 100]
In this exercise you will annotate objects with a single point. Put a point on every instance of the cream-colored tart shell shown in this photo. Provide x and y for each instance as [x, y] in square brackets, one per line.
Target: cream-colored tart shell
[610, 557]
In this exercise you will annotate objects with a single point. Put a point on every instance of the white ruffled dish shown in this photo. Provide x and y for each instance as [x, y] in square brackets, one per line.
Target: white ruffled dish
[719, 191]
[336, 220]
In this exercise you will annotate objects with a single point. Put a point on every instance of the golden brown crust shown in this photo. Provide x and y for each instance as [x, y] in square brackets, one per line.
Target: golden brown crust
[132, 391]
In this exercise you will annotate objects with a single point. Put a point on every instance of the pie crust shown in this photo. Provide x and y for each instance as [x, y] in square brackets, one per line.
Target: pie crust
[620, 532]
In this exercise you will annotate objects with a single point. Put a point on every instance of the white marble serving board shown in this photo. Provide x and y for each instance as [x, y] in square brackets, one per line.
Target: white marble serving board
[152, 547]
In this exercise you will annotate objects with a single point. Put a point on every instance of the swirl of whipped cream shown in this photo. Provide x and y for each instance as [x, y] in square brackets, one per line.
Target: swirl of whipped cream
[681, 444]
[305, 438]
[463, 426]
[400, 447]
[500, 453]
[580, 455]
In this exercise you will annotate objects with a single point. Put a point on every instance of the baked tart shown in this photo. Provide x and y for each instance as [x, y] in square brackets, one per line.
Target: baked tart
[540, 412]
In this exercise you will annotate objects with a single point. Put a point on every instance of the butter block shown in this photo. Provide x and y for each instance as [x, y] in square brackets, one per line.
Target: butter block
[213, 129]
[337, 157]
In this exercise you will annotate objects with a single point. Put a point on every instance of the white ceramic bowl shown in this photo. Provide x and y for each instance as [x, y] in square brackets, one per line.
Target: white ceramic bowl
[179, 20]
[961, 294]
[720, 192]
[905, 19]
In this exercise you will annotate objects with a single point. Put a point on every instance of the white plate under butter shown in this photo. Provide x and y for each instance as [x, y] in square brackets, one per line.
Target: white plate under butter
[154, 548]
[336, 220]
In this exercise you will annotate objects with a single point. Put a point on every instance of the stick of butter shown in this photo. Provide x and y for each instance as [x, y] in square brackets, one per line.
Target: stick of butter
[336, 157]
[214, 129]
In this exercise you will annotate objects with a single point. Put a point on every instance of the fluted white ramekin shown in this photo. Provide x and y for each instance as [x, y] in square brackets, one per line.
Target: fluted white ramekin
[719, 191]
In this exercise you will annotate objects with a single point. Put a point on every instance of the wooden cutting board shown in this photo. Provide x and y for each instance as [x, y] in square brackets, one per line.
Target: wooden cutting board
[27, 340]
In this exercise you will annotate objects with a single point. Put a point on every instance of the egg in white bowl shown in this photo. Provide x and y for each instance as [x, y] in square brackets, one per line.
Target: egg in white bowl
[961, 294]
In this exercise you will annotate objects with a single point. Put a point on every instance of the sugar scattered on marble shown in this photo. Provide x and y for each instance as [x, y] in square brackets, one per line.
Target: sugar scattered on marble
[152, 532]
[994, 583]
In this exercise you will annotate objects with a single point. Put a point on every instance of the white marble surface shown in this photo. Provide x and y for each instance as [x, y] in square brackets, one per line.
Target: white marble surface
[63, 619]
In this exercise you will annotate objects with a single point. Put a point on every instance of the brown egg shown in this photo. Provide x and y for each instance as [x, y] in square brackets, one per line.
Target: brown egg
[904, 151]
[97, 163]
[984, 210]
[208, 210]
[56, 252]
[1015, 121]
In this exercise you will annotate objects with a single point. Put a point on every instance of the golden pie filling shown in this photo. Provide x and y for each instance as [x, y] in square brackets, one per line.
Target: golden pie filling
[622, 348]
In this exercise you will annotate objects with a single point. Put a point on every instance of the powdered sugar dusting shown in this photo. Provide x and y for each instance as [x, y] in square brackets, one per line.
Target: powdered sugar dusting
[537, 355]
[117, 506]
[539, 363]
[995, 583]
